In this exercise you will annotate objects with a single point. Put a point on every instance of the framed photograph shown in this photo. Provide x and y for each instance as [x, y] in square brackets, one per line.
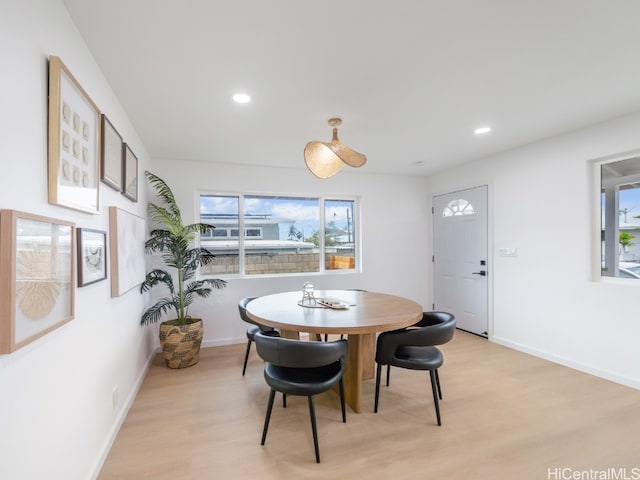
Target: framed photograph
[37, 284]
[92, 256]
[74, 140]
[127, 234]
[130, 181]
[111, 155]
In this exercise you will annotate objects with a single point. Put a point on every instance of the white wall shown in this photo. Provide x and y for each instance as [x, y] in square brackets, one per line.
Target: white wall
[56, 413]
[394, 216]
[544, 300]
[56, 394]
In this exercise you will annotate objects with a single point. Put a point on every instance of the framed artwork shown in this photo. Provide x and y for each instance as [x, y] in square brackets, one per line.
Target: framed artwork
[111, 155]
[126, 242]
[36, 285]
[74, 126]
[130, 167]
[92, 256]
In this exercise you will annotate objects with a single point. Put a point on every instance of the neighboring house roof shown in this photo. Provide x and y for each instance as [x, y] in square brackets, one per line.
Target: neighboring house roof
[255, 219]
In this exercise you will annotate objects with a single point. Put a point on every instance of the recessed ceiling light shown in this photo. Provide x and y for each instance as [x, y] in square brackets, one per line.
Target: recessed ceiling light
[482, 130]
[241, 98]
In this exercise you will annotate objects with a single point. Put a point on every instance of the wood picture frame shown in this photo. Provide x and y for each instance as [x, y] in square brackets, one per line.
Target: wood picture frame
[130, 170]
[92, 256]
[74, 142]
[127, 234]
[37, 282]
[111, 155]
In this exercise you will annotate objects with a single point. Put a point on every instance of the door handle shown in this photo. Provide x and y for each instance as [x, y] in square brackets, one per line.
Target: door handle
[482, 273]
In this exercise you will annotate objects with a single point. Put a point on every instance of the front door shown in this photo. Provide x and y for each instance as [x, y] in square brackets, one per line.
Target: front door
[460, 269]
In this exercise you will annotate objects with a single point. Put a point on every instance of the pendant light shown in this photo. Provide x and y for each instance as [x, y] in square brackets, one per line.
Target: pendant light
[325, 159]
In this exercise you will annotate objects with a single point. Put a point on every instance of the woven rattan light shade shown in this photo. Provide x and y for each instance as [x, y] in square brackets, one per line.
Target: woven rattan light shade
[325, 159]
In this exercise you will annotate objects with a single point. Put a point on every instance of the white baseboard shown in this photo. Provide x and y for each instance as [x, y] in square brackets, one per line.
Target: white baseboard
[122, 414]
[224, 341]
[606, 374]
[124, 410]
[234, 341]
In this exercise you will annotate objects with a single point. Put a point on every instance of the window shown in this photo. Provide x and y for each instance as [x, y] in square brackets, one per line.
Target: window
[458, 207]
[620, 218]
[339, 235]
[282, 234]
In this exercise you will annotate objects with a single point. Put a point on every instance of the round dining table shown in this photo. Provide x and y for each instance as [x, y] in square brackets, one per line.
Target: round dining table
[359, 315]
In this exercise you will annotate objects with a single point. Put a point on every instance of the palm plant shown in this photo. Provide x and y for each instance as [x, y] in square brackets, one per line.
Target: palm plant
[174, 241]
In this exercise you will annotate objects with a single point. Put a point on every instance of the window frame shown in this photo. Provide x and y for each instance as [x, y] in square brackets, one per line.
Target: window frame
[357, 235]
[596, 226]
[229, 232]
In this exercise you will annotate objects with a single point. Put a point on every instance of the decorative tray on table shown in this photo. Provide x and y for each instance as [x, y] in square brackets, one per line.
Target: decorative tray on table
[335, 303]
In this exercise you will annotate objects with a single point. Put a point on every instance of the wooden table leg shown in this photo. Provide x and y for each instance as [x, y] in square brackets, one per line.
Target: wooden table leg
[292, 334]
[353, 374]
[360, 366]
[368, 352]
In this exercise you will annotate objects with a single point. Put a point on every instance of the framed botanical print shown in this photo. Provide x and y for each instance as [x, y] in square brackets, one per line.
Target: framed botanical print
[37, 284]
[74, 127]
[111, 155]
[92, 256]
[130, 167]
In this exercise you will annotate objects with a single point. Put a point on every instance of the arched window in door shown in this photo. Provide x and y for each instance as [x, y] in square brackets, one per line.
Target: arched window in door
[458, 207]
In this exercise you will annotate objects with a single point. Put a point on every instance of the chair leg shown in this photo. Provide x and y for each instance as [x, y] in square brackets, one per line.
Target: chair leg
[438, 384]
[246, 357]
[272, 395]
[388, 372]
[284, 400]
[344, 412]
[326, 337]
[312, 414]
[378, 372]
[432, 374]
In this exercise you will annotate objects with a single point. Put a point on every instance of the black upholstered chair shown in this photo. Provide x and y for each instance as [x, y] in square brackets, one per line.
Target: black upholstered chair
[253, 329]
[414, 348]
[296, 367]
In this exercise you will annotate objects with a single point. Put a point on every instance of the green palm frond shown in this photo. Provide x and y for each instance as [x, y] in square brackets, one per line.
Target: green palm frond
[203, 288]
[164, 192]
[205, 228]
[155, 312]
[206, 257]
[216, 283]
[174, 241]
[155, 277]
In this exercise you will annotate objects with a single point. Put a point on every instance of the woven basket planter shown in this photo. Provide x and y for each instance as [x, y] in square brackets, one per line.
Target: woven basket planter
[180, 344]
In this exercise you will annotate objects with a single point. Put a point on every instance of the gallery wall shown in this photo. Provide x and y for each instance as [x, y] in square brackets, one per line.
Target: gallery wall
[63, 395]
[546, 300]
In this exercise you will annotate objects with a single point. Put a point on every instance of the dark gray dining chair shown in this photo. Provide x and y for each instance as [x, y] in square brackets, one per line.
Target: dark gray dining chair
[253, 329]
[304, 368]
[415, 348]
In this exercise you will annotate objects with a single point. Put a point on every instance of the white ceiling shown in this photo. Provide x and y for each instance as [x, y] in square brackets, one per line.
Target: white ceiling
[410, 78]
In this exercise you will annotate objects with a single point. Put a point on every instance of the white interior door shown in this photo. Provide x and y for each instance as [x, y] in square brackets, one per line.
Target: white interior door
[460, 269]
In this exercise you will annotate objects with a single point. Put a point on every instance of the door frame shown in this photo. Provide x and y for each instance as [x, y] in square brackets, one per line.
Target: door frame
[490, 248]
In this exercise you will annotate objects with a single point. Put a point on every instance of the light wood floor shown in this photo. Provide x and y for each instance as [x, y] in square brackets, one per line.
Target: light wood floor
[505, 415]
